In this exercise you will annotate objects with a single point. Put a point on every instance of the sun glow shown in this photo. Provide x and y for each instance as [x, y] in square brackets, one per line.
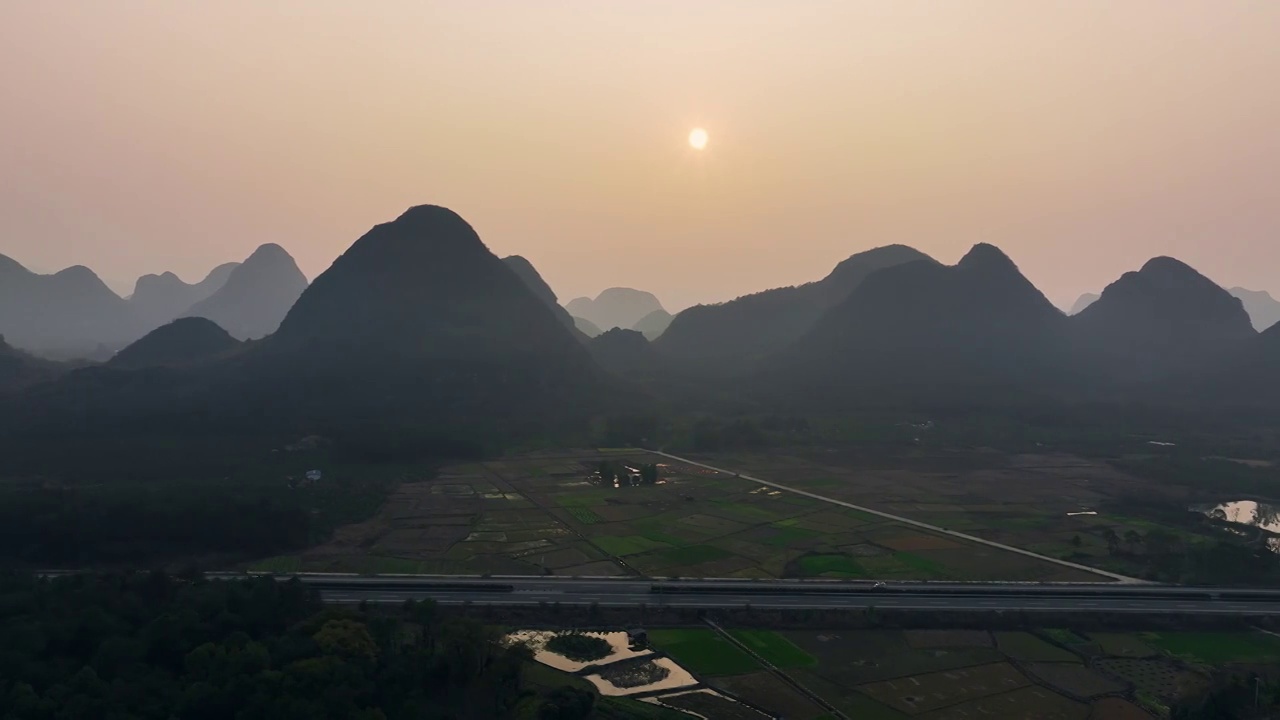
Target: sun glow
[698, 139]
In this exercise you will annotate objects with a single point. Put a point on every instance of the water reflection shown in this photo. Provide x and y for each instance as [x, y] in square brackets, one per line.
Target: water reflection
[1250, 514]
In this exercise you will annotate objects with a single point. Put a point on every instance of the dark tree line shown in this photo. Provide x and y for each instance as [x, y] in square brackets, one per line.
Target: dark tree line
[156, 646]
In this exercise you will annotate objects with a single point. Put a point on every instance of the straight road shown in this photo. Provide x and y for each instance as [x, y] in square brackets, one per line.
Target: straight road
[812, 602]
[724, 594]
[906, 521]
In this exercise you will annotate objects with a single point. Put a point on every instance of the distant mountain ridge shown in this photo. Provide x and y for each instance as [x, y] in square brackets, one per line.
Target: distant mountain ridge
[416, 325]
[654, 324]
[157, 299]
[615, 307]
[73, 314]
[256, 295]
[762, 323]
[1083, 302]
[1263, 309]
[68, 313]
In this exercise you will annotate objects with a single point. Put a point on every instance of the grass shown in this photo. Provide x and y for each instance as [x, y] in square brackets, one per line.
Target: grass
[703, 652]
[695, 554]
[922, 564]
[746, 510]
[278, 564]
[774, 648]
[584, 515]
[654, 531]
[1217, 648]
[1029, 648]
[788, 535]
[830, 565]
[381, 565]
[621, 545]
[585, 497]
[1064, 636]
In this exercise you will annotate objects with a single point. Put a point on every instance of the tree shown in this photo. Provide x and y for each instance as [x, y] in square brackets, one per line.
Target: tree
[608, 472]
[1076, 542]
[649, 473]
[347, 639]
[1132, 538]
[1112, 539]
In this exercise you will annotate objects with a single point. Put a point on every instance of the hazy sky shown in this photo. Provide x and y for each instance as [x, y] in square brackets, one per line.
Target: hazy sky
[1082, 136]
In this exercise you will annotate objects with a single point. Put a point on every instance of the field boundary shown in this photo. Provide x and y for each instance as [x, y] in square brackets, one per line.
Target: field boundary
[908, 521]
[777, 672]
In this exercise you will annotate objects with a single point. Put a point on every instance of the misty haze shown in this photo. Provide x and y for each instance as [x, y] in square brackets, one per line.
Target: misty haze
[640, 361]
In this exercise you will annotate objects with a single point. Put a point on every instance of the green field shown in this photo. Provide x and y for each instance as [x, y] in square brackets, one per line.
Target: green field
[788, 535]
[1217, 648]
[278, 564]
[627, 545]
[774, 648]
[1029, 648]
[584, 515]
[703, 652]
[830, 566]
[922, 564]
[694, 554]
[537, 515]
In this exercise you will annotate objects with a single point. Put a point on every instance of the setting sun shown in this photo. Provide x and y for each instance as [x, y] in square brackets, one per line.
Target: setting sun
[698, 139]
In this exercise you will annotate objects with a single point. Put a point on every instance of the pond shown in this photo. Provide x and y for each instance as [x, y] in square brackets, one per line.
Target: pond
[1250, 514]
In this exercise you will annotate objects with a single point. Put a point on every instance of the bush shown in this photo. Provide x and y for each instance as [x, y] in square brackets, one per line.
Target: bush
[579, 647]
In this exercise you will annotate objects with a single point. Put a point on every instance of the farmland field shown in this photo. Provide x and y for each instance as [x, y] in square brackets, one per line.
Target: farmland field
[1218, 648]
[549, 514]
[1029, 648]
[1053, 503]
[941, 674]
[970, 674]
[774, 648]
[703, 652]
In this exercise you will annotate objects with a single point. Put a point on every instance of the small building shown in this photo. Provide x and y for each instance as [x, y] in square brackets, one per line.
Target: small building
[637, 638]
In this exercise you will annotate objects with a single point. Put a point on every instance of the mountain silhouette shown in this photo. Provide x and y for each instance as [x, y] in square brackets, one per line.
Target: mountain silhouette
[71, 313]
[19, 369]
[157, 299]
[182, 342]
[1162, 320]
[417, 325]
[419, 315]
[586, 327]
[1263, 309]
[922, 329]
[1083, 302]
[533, 279]
[615, 307]
[622, 352]
[756, 325]
[654, 324]
[256, 295]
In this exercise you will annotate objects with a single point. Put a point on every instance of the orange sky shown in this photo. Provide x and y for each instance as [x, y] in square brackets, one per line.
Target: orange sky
[1082, 136]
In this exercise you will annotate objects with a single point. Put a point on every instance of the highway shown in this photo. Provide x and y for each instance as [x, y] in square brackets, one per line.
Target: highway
[725, 594]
